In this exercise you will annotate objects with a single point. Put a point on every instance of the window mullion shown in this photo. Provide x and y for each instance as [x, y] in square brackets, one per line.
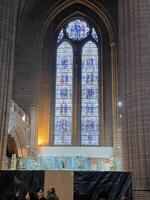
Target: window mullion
[77, 96]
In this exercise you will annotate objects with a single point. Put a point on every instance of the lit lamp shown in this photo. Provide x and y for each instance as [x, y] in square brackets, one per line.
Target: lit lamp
[24, 118]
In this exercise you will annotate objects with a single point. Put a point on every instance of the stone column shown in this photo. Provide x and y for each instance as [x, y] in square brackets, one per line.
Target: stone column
[34, 130]
[115, 109]
[134, 91]
[8, 17]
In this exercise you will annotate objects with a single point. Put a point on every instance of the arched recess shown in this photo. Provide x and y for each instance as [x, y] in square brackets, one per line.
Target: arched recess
[11, 146]
[17, 143]
[52, 23]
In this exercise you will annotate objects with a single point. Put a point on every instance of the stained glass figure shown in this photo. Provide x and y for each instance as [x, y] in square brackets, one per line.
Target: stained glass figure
[63, 104]
[90, 97]
[60, 36]
[64, 78]
[94, 34]
[77, 29]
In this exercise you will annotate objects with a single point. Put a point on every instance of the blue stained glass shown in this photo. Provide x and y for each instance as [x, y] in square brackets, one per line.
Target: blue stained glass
[90, 97]
[63, 104]
[64, 78]
[60, 36]
[77, 29]
[94, 34]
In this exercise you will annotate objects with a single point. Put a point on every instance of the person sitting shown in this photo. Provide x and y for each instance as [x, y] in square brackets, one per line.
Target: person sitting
[40, 193]
[51, 194]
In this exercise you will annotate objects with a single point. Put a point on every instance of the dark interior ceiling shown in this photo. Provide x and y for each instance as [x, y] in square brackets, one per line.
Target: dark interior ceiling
[36, 6]
[34, 12]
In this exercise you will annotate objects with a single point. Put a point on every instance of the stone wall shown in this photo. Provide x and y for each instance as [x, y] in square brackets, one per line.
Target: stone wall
[134, 91]
[8, 17]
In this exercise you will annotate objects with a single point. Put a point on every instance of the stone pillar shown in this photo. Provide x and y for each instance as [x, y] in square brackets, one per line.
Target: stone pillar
[115, 111]
[34, 131]
[8, 17]
[134, 91]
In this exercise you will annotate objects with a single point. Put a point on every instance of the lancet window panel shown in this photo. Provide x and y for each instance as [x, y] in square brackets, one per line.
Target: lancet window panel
[90, 95]
[63, 101]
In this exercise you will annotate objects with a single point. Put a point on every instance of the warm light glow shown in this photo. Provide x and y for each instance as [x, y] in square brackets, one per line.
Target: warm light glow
[43, 136]
[41, 141]
[24, 152]
[23, 118]
[44, 123]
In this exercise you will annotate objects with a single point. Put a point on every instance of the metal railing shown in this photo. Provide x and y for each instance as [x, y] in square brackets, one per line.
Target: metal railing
[24, 117]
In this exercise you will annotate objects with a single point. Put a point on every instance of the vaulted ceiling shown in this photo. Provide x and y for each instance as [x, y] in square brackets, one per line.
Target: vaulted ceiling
[37, 12]
[28, 6]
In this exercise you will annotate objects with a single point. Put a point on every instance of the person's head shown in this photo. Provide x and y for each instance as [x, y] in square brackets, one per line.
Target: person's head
[30, 196]
[102, 195]
[51, 190]
[27, 196]
[17, 194]
[40, 192]
[124, 198]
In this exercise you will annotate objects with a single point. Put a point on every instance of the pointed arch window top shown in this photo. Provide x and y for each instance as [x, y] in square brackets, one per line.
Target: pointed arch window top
[94, 35]
[77, 29]
[60, 36]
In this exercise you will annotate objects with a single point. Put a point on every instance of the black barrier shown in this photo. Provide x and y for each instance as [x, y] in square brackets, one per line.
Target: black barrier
[90, 185]
[22, 181]
[87, 185]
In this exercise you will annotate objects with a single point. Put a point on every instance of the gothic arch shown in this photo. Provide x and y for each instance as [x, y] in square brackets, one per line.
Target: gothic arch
[56, 18]
[20, 142]
[52, 18]
[99, 10]
[28, 7]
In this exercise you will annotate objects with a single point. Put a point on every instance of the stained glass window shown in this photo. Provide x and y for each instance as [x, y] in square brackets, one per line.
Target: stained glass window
[60, 36]
[63, 101]
[67, 78]
[77, 29]
[94, 34]
[90, 96]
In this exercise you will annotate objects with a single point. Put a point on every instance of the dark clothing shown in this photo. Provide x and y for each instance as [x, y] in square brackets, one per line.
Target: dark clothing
[43, 198]
[33, 196]
[52, 197]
